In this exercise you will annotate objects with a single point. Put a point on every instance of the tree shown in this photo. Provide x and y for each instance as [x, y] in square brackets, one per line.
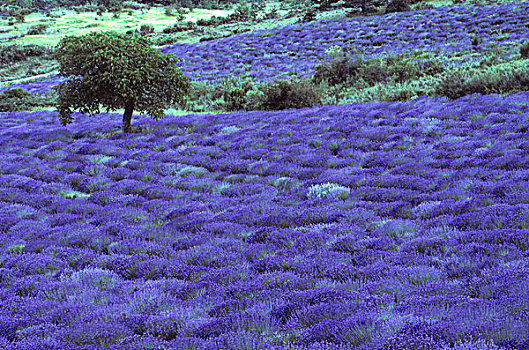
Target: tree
[115, 70]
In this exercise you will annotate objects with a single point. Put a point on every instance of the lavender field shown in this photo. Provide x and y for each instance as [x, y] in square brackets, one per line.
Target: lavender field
[359, 226]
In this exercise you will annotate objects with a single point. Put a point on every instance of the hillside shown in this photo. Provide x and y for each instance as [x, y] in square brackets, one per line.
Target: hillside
[296, 48]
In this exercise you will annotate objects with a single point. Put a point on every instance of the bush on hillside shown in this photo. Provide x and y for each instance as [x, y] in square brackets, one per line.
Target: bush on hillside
[397, 6]
[133, 5]
[146, 29]
[213, 21]
[309, 16]
[89, 8]
[501, 79]
[180, 27]
[524, 49]
[235, 94]
[245, 12]
[17, 99]
[37, 29]
[356, 70]
[15, 53]
[285, 94]
[338, 70]
[235, 98]
[111, 5]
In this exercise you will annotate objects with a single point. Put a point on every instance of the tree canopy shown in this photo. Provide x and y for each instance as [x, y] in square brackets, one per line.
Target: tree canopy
[113, 71]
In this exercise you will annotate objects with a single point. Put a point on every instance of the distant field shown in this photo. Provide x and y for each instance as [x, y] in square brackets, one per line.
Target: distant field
[69, 22]
[294, 50]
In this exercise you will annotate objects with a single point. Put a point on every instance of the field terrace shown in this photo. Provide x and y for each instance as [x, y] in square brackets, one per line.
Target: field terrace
[294, 50]
[359, 226]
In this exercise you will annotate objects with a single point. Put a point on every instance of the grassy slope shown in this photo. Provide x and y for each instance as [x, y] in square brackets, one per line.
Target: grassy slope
[69, 22]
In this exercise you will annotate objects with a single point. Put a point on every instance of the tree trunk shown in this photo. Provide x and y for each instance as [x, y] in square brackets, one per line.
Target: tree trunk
[127, 117]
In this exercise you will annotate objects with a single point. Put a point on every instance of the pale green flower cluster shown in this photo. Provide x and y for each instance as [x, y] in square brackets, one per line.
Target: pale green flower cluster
[328, 190]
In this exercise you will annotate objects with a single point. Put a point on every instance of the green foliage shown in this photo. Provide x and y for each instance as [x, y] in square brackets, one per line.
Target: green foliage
[115, 71]
[233, 94]
[500, 79]
[244, 12]
[324, 4]
[146, 29]
[110, 5]
[357, 70]
[309, 16]
[364, 6]
[227, 94]
[19, 100]
[133, 5]
[285, 94]
[213, 21]
[338, 70]
[397, 6]
[15, 53]
[180, 27]
[37, 29]
[524, 50]
[235, 97]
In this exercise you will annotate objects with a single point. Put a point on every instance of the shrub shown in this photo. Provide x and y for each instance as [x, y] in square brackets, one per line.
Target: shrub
[146, 29]
[86, 8]
[309, 16]
[37, 29]
[235, 96]
[180, 27]
[214, 20]
[339, 69]
[244, 12]
[111, 5]
[397, 6]
[18, 100]
[284, 94]
[357, 70]
[500, 79]
[133, 5]
[524, 49]
[15, 53]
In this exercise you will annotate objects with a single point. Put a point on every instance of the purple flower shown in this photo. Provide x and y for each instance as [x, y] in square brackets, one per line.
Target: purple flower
[226, 308]
[421, 335]
[284, 312]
